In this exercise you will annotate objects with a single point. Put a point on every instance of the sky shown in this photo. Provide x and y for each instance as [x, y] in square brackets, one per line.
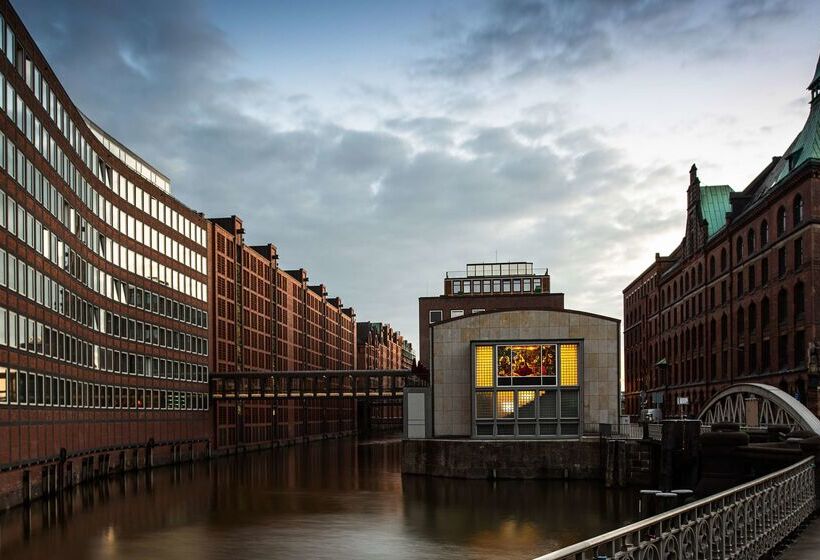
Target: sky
[381, 144]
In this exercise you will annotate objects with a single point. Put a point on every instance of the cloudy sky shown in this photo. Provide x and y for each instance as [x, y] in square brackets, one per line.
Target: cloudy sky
[379, 144]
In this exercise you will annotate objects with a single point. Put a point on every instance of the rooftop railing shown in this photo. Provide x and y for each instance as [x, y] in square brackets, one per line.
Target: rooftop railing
[746, 521]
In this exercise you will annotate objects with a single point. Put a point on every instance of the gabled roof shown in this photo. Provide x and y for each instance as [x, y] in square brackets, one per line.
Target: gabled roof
[714, 204]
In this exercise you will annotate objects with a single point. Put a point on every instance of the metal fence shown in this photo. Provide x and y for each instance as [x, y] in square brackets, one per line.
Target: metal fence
[744, 522]
[629, 431]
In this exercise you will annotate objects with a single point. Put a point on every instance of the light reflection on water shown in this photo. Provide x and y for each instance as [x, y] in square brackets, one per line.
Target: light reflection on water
[334, 499]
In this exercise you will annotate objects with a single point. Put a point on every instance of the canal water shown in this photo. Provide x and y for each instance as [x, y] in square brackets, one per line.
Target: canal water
[335, 499]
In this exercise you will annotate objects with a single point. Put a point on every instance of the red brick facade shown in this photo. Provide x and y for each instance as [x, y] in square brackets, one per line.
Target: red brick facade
[739, 306]
[270, 319]
[378, 346]
[242, 300]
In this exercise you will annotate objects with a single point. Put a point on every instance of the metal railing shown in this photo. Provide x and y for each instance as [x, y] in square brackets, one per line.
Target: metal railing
[743, 522]
[629, 431]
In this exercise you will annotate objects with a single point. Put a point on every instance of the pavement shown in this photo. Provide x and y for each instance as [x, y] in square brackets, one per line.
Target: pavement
[807, 544]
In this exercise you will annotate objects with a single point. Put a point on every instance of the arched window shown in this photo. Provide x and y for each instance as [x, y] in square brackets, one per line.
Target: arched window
[739, 249]
[713, 332]
[764, 233]
[723, 262]
[764, 313]
[799, 301]
[741, 322]
[750, 242]
[712, 267]
[782, 303]
[700, 273]
[724, 328]
[781, 221]
[797, 210]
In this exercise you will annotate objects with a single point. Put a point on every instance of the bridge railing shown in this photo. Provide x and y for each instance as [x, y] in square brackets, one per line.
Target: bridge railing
[630, 431]
[746, 521]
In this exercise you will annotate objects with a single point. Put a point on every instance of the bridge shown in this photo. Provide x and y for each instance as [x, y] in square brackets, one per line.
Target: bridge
[264, 409]
[746, 521]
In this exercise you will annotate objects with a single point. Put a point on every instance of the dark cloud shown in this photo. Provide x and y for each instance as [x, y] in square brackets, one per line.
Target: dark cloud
[377, 214]
[526, 39]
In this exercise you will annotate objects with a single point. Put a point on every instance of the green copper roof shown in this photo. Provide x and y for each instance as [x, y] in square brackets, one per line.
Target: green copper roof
[714, 204]
[807, 144]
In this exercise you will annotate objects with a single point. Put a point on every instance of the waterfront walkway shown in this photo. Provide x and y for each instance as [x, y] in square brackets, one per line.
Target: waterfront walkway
[807, 544]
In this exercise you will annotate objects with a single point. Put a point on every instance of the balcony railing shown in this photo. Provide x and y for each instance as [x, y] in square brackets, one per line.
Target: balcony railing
[746, 521]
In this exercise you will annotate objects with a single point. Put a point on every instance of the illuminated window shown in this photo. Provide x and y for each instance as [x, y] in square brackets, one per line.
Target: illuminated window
[505, 405]
[569, 364]
[517, 389]
[484, 366]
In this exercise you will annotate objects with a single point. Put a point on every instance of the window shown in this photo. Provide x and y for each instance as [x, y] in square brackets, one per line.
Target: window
[800, 348]
[797, 210]
[435, 316]
[781, 262]
[712, 266]
[766, 355]
[723, 260]
[739, 284]
[764, 271]
[527, 389]
[798, 252]
[782, 306]
[782, 351]
[764, 233]
[751, 277]
[799, 301]
[752, 318]
[750, 242]
[456, 313]
[739, 249]
[781, 221]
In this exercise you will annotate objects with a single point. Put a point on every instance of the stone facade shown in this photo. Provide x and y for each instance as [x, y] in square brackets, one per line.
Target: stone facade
[451, 372]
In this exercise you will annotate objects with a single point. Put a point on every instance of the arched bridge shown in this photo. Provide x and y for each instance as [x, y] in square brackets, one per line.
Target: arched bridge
[754, 405]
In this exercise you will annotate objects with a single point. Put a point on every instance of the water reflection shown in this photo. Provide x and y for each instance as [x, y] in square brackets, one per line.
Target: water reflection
[335, 499]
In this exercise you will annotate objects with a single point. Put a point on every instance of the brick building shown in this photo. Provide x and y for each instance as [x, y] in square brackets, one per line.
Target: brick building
[485, 287]
[736, 301]
[241, 299]
[270, 319]
[378, 346]
[103, 292]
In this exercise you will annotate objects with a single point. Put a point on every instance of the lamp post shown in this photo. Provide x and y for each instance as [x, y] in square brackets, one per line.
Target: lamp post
[663, 377]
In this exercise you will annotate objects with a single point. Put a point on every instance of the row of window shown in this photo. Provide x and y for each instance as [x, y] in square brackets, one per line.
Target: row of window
[18, 387]
[40, 288]
[14, 162]
[31, 231]
[497, 286]
[29, 335]
[52, 106]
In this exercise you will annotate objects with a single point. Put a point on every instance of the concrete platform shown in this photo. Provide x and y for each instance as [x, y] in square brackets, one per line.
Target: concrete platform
[807, 544]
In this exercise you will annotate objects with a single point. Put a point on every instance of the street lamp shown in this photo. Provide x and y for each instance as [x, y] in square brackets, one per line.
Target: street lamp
[663, 376]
